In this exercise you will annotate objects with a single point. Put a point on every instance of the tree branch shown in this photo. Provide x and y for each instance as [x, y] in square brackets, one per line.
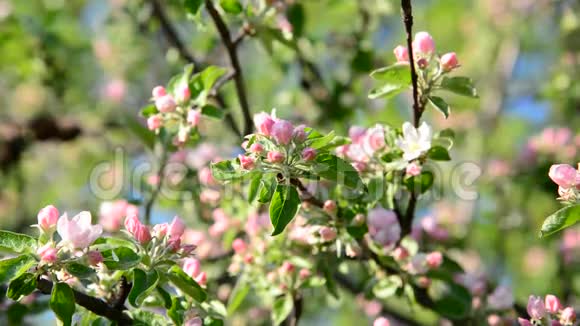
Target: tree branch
[408, 20]
[97, 306]
[231, 49]
[171, 35]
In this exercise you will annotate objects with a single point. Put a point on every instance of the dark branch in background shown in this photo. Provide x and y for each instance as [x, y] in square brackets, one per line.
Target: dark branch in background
[97, 306]
[232, 51]
[408, 20]
[125, 288]
[306, 195]
[296, 313]
[173, 38]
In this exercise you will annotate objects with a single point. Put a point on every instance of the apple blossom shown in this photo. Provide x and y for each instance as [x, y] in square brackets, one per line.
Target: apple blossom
[413, 169]
[287, 267]
[176, 228]
[400, 253]
[195, 321]
[308, 154]
[94, 257]
[304, 273]
[329, 206]
[501, 298]
[256, 148]
[282, 132]
[524, 322]
[536, 308]
[327, 233]
[434, 259]
[142, 234]
[47, 218]
[78, 231]
[165, 103]
[415, 141]
[299, 134]
[401, 53]
[192, 267]
[132, 223]
[264, 123]
[449, 61]
[423, 44]
[239, 246]
[381, 321]
[275, 157]
[246, 162]
[552, 304]
[47, 253]
[193, 117]
[183, 94]
[201, 279]
[564, 175]
[568, 316]
[158, 91]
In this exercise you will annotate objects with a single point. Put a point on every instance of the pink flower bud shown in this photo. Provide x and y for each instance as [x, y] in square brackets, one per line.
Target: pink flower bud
[287, 267]
[142, 234]
[174, 244]
[195, 321]
[248, 259]
[568, 316]
[239, 246]
[400, 253]
[201, 279]
[327, 233]
[494, 320]
[564, 175]
[536, 308]
[401, 53]
[47, 218]
[188, 249]
[275, 157]
[308, 154]
[165, 103]
[264, 123]
[47, 253]
[304, 273]
[193, 117]
[359, 219]
[192, 267]
[299, 133]
[381, 321]
[158, 92]
[434, 259]
[183, 94]
[552, 304]
[449, 61]
[422, 63]
[160, 230]
[256, 148]
[155, 122]
[94, 257]
[132, 223]
[176, 228]
[413, 169]
[423, 44]
[282, 132]
[424, 282]
[246, 162]
[330, 206]
[524, 322]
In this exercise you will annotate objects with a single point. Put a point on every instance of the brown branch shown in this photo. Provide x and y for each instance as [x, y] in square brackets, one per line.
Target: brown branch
[172, 36]
[97, 306]
[408, 20]
[294, 317]
[306, 195]
[231, 49]
[125, 288]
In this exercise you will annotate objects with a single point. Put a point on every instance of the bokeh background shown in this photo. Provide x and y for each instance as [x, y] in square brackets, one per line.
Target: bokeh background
[74, 74]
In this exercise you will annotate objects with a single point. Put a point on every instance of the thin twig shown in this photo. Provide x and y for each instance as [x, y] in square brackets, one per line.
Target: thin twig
[306, 195]
[408, 20]
[97, 306]
[231, 49]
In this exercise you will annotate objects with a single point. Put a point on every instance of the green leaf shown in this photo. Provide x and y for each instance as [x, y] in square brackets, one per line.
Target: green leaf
[210, 75]
[231, 6]
[321, 142]
[394, 79]
[438, 153]
[421, 183]
[282, 308]
[186, 284]
[254, 186]
[192, 6]
[165, 296]
[387, 287]
[21, 286]
[449, 299]
[79, 270]
[62, 302]
[212, 111]
[296, 17]
[177, 311]
[376, 189]
[149, 110]
[227, 170]
[560, 220]
[269, 184]
[446, 133]
[14, 267]
[283, 207]
[143, 284]
[121, 258]
[459, 85]
[16, 242]
[440, 105]
[238, 295]
[333, 168]
[144, 134]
